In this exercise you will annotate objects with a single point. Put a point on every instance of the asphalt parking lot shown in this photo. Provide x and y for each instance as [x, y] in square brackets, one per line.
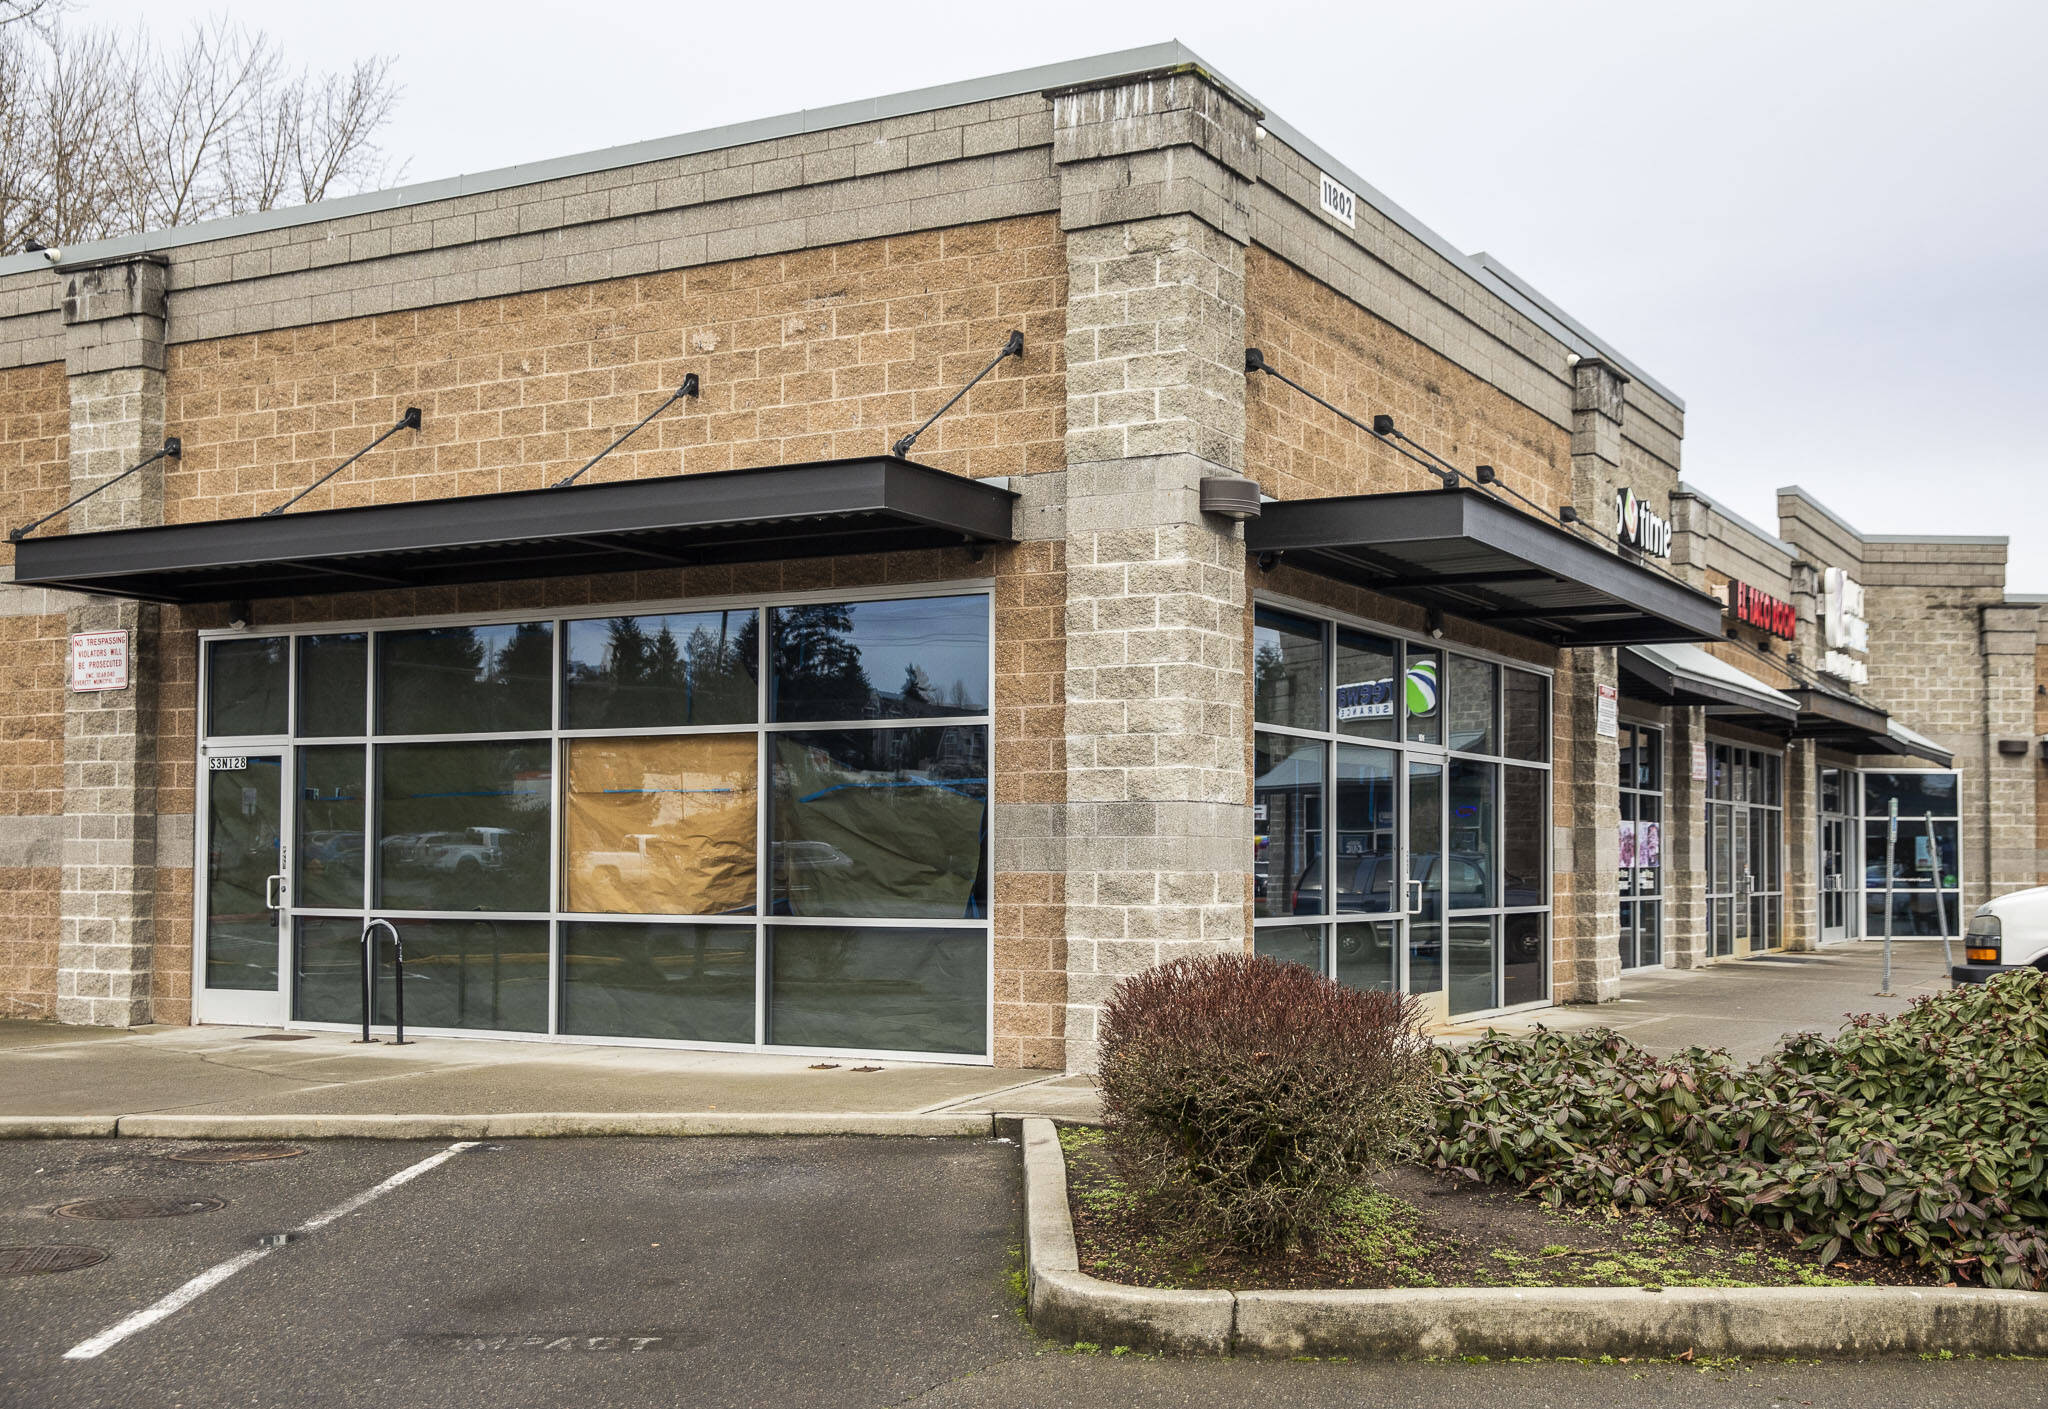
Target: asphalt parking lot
[699, 1272]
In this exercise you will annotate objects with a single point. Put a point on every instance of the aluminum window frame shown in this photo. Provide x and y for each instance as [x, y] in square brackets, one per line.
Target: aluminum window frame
[1331, 620]
[1662, 793]
[557, 737]
[1859, 817]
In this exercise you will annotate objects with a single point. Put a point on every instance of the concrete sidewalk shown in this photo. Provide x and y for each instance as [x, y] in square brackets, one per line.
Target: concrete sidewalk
[239, 1073]
[230, 1081]
[1746, 1005]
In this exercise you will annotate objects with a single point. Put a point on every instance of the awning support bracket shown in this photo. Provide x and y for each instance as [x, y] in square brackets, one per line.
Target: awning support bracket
[688, 388]
[409, 421]
[1381, 430]
[173, 449]
[1013, 346]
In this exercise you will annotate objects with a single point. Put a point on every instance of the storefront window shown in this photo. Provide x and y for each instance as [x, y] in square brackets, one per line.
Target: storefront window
[1287, 671]
[1923, 866]
[1641, 751]
[749, 825]
[1368, 686]
[330, 828]
[466, 679]
[881, 823]
[636, 672]
[904, 990]
[248, 680]
[464, 826]
[687, 983]
[1429, 830]
[660, 826]
[333, 675]
[921, 659]
[1745, 850]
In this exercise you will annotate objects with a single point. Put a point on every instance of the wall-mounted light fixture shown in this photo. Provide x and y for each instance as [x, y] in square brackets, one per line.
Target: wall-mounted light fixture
[1435, 620]
[1232, 496]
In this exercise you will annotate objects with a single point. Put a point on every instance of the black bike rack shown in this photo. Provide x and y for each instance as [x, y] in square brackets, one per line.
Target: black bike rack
[397, 981]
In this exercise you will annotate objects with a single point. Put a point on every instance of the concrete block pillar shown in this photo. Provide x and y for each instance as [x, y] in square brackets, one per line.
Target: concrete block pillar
[1685, 844]
[1586, 919]
[2009, 634]
[114, 354]
[1802, 847]
[1586, 797]
[1153, 174]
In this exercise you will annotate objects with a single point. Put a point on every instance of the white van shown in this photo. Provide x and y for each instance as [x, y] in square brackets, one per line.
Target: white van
[2008, 933]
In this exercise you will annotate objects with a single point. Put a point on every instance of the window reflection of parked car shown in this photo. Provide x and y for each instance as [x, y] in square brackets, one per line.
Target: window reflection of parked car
[333, 848]
[469, 852]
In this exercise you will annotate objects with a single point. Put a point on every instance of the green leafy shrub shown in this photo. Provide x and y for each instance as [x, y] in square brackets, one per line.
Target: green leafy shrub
[1243, 1098]
[1922, 1137]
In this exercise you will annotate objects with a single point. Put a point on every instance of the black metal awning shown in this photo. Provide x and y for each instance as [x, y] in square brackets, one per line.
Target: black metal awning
[1469, 554]
[730, 516]
[1838, 721]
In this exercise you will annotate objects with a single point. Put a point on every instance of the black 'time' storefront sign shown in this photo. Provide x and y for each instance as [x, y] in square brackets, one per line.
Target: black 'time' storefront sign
[1762, 610]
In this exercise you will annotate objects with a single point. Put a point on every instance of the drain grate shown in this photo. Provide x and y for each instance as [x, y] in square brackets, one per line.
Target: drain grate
[235, 1154]
[120, 1207]
[49, 1257]
[280, 1037]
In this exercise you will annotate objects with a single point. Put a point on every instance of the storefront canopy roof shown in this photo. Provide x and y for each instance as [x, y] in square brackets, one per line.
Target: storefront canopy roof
[1681, 674]
[1905, 742]
[1476, 557]
[1834, 720]
[789, 511]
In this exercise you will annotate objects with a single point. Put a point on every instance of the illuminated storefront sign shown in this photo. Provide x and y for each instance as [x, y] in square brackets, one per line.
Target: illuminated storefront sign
[1846, 631]
[1761, 610]
[1638, 528]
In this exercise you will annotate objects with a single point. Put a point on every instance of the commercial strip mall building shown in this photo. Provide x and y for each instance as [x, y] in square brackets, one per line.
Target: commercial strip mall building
[762, 733]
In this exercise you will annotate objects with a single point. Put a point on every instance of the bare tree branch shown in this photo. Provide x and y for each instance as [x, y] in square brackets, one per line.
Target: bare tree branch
[103, 134]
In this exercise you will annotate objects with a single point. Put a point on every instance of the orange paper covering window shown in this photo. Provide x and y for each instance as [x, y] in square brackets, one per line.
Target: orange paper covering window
[661, 826]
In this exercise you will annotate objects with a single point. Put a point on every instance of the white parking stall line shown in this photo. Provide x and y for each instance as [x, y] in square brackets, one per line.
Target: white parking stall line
[213, 1276]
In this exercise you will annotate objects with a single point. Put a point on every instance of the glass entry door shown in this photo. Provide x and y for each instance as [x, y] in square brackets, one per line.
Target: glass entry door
[1836, 913]
[242, 897]
[1745, 851]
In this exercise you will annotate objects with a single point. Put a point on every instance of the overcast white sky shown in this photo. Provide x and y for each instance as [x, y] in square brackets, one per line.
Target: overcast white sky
[1821, 224]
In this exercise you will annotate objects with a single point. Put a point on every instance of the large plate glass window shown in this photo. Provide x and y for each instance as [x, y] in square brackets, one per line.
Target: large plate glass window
[1745, 850]
[1641, 752]
[1925, 863]
[754, 825]
[1400, 805]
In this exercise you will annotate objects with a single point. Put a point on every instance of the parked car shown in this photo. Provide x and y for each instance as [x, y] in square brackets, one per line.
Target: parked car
[2008, 933]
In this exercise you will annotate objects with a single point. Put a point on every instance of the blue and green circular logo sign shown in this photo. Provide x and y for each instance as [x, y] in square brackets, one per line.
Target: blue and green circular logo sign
[1422, 692]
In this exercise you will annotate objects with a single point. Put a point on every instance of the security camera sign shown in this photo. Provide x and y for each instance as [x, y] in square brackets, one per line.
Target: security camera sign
[99, 660]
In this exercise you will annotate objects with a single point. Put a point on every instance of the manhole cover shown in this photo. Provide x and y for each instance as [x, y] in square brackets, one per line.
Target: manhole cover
[124, 1206]
[50, 1257]
[235, 1154]
[280, 1037]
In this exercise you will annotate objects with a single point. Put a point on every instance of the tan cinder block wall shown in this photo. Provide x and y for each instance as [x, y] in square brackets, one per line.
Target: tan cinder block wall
[1356, 360]
[35, 476]
[2035, 761]
[816, 355]
[1027, 905]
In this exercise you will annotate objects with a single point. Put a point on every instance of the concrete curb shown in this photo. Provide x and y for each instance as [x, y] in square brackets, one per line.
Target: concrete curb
[527, 1125]
[1067, 1304]
[57, 1127]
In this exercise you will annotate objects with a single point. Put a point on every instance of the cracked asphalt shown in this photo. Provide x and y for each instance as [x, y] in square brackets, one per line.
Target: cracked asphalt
[699, 1272]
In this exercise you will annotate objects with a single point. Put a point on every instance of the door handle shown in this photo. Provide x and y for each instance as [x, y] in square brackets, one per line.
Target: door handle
[1414, 897]
[273, 892]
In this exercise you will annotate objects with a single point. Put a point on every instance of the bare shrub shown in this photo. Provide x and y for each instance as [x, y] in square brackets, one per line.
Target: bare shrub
[1244, 1097]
